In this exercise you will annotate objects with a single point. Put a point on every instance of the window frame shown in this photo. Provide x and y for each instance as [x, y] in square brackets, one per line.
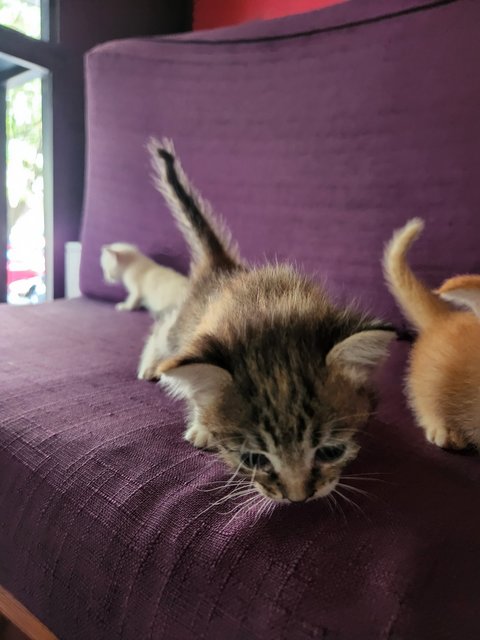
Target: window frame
[30, 57]
[63, 133]
[60, 54]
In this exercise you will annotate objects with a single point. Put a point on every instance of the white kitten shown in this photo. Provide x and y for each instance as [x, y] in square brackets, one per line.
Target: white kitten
[148, 283]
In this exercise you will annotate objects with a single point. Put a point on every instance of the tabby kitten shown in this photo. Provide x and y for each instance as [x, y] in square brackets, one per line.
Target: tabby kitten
[443, 380]
[275, 376]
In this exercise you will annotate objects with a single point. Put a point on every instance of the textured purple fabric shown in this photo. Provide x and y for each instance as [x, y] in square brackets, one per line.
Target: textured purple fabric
[312, 147]
[106, 530]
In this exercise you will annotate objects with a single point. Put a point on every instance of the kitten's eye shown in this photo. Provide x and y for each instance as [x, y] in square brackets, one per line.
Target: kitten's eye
[330, 454]
[255, 460]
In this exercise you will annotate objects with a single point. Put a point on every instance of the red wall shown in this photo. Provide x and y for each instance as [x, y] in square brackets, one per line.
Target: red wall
[209, 14]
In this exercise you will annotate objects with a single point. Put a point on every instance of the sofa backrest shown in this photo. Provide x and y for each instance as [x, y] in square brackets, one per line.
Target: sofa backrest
[314, 136]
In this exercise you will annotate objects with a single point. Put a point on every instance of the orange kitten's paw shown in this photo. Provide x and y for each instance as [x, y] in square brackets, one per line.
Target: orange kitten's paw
[199, 437]
[446, 438]
[456, 440]
[437, 435]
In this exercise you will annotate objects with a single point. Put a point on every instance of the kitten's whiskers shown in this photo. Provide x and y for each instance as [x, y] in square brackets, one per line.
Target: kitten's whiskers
[245, 507]
[337, 505]
[351, 502]
[356, 490]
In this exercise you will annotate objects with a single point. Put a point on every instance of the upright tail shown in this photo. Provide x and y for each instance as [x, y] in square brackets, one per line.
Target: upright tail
[421, 306]
[210, 244]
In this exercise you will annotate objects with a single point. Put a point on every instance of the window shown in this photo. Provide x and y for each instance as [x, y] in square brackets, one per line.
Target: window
[42, 43]
[25, 194]
[23, 106]
[23, 15]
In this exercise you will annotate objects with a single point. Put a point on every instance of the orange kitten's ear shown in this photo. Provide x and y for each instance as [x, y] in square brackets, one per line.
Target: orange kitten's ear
[199, 381]
[462, 291]
[359, 354]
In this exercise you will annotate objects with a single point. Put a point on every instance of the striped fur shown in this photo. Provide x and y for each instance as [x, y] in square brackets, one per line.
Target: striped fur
[276, 377]
[210, 243]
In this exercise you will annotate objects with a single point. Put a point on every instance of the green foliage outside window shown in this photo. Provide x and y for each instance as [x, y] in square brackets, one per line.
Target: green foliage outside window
[22, 15]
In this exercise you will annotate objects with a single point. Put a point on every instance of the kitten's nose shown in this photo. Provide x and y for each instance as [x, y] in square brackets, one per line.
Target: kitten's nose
[299, 493]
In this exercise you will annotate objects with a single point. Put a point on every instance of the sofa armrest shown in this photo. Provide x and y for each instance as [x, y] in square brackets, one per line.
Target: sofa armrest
[20, 617]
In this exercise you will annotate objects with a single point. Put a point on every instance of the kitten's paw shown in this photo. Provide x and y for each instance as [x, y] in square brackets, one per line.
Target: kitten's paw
[456, 440]
[437, 435]
[199, 437]
[122, 306]
[447, 438]
[148, 373]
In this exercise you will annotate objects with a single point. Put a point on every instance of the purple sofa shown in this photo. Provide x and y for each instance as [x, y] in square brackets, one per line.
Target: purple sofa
[314, 136]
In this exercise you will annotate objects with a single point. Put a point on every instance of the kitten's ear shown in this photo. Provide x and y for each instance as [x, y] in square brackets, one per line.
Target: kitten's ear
[198, 380]
[462, 291]
[359, 354]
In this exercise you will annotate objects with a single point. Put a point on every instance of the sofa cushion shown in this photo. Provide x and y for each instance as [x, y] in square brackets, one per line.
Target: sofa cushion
[314, 136]
[108, 527]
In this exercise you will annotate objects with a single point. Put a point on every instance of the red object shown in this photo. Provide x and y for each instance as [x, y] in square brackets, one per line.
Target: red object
[209, 14]
[13, 276]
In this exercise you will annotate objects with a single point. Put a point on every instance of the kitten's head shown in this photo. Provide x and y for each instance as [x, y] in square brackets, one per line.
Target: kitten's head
[115, 258]
[283, 406]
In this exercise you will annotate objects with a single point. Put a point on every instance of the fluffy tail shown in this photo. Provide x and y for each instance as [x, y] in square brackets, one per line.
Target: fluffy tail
[210, 244]
[421, 306]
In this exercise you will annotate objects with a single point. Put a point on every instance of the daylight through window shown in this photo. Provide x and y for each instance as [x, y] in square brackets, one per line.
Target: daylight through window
[22, 93]
[22, 15]
[25, 198]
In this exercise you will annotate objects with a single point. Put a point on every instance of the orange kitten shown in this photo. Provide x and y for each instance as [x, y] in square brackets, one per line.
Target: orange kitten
[148, 283]
[443, 382]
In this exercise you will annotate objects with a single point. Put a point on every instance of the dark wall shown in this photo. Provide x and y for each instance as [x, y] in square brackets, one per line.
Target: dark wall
[84, 23]
[78, 25]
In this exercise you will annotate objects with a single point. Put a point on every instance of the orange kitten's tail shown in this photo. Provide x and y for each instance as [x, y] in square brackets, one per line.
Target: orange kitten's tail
[421, 306]
[210, 243]
[463, 291]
